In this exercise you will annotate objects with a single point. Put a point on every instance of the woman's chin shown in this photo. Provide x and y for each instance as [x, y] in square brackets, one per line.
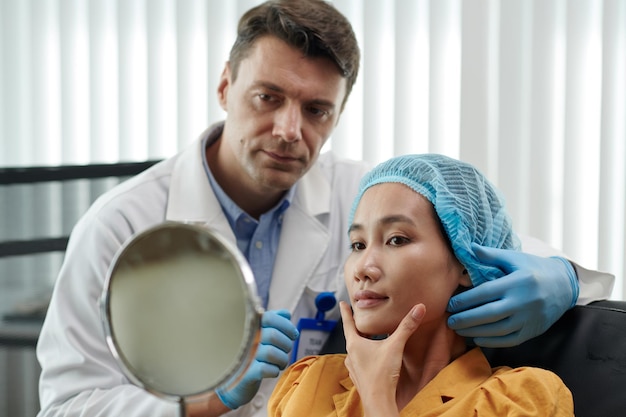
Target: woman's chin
[373, 332]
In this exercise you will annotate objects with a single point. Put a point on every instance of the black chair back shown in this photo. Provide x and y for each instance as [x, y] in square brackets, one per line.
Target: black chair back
[586, 347]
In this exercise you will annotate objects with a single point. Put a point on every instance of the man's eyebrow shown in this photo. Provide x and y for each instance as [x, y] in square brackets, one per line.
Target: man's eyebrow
[276, 88]
[323, 103]
[268, 85]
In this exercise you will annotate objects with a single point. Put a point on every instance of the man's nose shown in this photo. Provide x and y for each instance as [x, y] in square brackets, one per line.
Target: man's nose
[288, 123]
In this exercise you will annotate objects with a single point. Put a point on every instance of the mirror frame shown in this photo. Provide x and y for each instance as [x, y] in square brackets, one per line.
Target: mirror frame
[254, 309]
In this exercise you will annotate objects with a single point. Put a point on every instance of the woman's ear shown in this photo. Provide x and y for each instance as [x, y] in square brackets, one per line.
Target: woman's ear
[465, 280]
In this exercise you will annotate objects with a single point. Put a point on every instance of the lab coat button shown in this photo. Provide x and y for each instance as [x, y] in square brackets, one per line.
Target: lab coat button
[258, 401]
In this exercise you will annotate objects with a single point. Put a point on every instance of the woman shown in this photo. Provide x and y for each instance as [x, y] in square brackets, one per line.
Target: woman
[413, 231]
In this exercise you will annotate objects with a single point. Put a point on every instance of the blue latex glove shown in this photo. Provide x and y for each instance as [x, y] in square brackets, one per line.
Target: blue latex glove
[277, 337]
[524, 303]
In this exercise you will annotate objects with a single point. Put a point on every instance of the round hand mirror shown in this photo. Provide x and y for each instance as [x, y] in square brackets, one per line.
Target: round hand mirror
[180, 310]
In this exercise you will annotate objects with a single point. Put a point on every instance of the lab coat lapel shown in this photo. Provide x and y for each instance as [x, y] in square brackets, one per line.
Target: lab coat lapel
[191, 197]
[303, 241]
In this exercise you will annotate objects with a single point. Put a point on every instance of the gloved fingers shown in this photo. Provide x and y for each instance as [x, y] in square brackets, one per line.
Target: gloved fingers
[522, 327]
[259, 370]
[504, 327]
[281, 321]
[276, 338]
[268, 354]
[272, 318]
[504, 259]
[485, 293]
[268, 370]
[512, 339]
[492, 312]
[271, 357]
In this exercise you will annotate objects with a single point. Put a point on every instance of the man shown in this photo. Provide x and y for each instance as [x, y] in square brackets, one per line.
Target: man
[259, 180]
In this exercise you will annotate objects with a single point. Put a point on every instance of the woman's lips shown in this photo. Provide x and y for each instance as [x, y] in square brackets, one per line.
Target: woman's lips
[368, 299]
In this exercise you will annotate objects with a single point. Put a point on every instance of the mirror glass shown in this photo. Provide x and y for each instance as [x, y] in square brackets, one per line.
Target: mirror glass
[180, 310]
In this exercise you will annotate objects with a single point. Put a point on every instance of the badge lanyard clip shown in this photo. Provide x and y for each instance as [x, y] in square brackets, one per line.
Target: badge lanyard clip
[314, 332]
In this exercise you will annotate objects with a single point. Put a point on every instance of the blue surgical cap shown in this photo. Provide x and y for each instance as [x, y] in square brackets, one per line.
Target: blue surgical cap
[469, 207]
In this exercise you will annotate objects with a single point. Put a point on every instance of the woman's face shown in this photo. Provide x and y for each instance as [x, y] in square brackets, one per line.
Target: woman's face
[399, 258]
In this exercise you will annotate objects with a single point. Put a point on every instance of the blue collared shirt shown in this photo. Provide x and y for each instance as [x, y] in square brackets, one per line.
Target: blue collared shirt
[256, 239]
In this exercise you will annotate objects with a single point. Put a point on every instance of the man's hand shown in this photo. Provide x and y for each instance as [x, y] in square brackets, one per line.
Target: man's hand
[277, 336]
[524, 303]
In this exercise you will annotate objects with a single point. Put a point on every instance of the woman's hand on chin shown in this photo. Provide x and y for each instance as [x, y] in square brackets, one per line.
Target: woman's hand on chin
[374, 365]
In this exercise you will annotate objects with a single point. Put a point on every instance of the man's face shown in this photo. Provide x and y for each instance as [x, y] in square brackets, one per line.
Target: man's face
[281, 109]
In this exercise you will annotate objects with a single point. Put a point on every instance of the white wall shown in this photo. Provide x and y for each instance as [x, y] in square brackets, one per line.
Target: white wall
[531, 91]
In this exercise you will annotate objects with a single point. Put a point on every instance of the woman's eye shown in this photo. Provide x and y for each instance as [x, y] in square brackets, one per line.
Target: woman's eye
[398, 241]
[357, 246]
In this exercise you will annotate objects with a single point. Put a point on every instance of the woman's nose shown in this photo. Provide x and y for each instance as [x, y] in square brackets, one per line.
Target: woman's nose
[367, 266]
[288, 123]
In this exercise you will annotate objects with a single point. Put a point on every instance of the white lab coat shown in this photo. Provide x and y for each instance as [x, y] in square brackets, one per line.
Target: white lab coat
[79, 374]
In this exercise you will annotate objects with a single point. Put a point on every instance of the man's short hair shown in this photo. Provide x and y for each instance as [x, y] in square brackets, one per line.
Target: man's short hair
[315, 27]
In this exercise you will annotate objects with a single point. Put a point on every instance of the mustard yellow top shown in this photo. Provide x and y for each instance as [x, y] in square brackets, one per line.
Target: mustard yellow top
[319, 386]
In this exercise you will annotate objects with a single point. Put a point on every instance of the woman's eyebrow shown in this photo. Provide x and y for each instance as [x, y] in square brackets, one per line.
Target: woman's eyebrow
[393, 218]
[354, 227]
[396, 218]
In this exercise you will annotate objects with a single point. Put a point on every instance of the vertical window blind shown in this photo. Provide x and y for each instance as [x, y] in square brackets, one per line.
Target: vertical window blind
[533, 92]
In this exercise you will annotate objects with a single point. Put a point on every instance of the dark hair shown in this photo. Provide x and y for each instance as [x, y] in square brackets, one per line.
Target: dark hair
[315, 27]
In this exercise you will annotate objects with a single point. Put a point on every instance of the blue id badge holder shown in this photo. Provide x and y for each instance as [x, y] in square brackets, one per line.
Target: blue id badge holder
[314, 332]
